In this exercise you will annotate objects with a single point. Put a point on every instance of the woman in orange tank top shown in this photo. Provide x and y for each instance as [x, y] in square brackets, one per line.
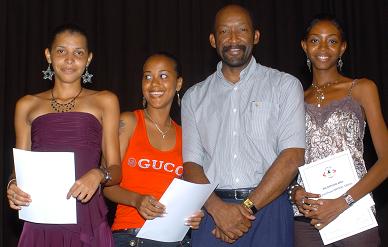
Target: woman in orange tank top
[151, 154]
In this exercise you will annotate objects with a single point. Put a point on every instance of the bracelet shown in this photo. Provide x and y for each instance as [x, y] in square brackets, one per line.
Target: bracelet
[291, 190]
[10, 182]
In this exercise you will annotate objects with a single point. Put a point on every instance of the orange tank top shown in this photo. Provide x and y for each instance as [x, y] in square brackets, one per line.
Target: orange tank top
[146, 170]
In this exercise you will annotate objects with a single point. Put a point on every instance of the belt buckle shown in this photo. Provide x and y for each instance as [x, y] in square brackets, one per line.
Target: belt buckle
[235, 195]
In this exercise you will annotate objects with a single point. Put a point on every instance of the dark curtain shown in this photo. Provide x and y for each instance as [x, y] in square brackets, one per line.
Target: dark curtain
[124, 32]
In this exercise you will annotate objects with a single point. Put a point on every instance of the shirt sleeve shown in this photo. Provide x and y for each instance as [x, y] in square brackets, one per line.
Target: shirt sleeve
[192, 149]
[291, 124]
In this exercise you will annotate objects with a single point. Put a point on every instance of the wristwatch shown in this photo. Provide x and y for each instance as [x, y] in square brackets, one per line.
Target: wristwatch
[249, 204]
[106, 174]
[348, 199]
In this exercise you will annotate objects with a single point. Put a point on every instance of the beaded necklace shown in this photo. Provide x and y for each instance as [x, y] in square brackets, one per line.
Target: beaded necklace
[63, 107]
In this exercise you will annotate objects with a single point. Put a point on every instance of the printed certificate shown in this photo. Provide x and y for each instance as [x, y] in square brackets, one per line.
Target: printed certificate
[331, 177]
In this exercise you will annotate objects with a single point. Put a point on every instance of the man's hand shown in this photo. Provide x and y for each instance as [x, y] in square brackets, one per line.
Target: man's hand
[232, 221]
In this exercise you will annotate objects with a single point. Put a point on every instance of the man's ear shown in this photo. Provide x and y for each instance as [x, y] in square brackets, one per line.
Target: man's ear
[256, 37]
[212, 40]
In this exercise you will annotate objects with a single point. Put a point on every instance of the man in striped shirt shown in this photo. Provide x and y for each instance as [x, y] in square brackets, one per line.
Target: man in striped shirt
[243, 129]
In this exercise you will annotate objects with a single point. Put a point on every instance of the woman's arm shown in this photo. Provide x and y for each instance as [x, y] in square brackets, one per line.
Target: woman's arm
[16, 196]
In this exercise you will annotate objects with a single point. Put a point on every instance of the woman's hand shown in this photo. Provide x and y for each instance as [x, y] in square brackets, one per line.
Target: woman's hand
[17, 197]
[194, 220]
[303, 201]
[149, 207]
[326, 210]
[84, 188]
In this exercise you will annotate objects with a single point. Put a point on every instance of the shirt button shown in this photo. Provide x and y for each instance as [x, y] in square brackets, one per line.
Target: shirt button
[234, 133]
[235, 88]
[237, 180]
[234, 110]
[235, 156]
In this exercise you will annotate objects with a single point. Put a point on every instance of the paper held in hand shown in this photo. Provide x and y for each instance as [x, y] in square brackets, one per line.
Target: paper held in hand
[46, 177]
[331, 177]
[181, 199]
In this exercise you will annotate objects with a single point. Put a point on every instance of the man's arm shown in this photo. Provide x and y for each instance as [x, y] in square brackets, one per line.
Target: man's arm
[278, 177]
[290, 135]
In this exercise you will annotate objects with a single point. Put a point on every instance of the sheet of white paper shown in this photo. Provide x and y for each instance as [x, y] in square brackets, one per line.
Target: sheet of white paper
[47, 177]
[181, 199]
[331, 177]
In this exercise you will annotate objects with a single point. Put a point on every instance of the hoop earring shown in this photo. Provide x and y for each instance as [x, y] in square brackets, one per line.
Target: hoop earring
[178, 99]
[48, 73]
[87, 77]
[340, 63]
[144, 102]
[308, 62]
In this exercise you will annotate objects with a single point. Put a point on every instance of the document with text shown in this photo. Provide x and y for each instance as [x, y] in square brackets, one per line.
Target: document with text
[331, 177]
[46, 177]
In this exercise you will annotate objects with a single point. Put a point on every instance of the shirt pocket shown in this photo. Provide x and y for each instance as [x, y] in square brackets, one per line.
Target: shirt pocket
[258, 124]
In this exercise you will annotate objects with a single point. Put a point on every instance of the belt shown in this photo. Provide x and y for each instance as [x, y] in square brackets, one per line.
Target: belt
[132, 231]
[302, 219]
[238, 194]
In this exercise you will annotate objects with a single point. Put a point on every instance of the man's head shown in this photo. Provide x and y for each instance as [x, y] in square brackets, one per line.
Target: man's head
[234, 36]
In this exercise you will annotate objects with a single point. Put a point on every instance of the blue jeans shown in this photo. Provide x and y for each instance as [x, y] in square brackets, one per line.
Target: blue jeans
[125, 239]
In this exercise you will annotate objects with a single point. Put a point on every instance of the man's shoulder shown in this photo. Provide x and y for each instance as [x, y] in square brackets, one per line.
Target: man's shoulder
[278, 78]
[199, 88]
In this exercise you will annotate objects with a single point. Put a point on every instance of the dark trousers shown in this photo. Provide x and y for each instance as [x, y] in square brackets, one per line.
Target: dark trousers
[307, 236]
[273, 227]
[125, 239]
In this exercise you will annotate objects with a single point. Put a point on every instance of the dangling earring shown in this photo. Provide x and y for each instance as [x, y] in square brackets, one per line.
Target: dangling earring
[87, 77]
[48, 73]
[144, 102]
[178, 98]
[308, 62]
[340, 64]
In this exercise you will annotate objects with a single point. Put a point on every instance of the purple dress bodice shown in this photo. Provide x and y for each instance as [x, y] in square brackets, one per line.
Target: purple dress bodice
[81, 133]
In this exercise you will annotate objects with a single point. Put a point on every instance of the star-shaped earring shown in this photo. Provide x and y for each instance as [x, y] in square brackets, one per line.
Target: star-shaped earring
[87, 77]
[48, 73]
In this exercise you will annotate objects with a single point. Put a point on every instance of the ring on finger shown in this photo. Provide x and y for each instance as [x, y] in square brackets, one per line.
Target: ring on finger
[318, 225]
[303, 200]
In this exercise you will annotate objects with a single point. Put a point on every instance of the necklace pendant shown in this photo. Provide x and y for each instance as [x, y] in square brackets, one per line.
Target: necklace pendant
[319, 105]
[163, 136]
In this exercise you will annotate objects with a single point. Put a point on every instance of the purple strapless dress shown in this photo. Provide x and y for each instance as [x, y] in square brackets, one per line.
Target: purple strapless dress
[81, 133]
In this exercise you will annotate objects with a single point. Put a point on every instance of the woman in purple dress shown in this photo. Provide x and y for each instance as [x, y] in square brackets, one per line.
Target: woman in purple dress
[336, 109]
[71, 118]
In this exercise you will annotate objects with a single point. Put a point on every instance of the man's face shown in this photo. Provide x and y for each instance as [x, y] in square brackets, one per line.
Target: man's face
[234, 36]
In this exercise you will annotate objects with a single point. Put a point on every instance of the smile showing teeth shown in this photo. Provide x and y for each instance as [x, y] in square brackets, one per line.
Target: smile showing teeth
[324, 58]
[155, 94]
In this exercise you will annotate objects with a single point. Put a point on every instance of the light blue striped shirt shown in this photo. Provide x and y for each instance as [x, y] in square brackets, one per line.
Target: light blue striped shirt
[236, 131]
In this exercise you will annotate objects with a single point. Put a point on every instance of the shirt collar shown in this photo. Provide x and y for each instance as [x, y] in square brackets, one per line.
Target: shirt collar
[244, 74]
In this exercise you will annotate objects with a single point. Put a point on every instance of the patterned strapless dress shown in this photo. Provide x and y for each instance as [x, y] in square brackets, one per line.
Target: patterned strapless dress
[81, 133]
